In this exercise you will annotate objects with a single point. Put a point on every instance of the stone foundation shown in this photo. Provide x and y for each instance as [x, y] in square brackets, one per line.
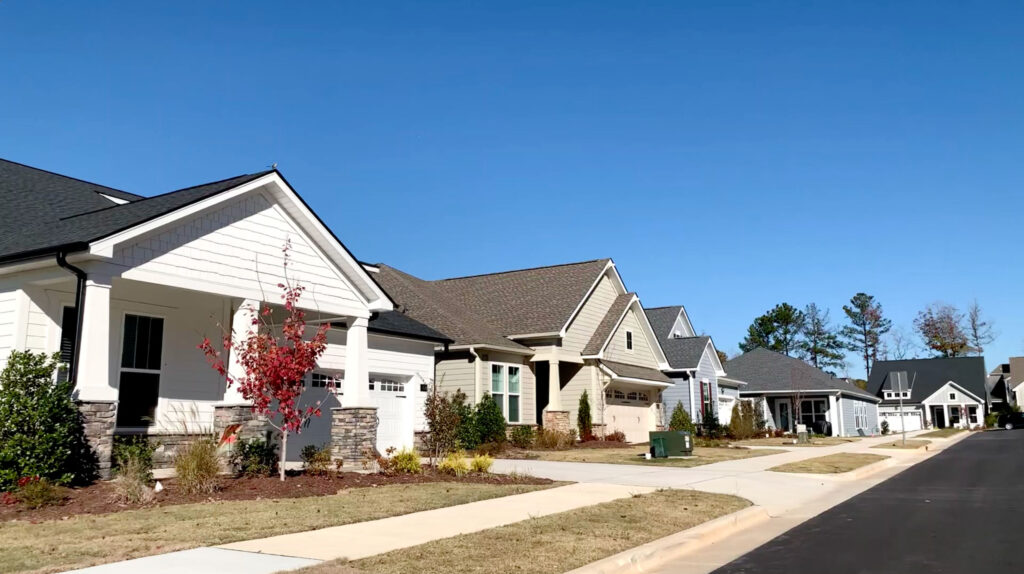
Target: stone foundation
[557, 420]
[252, 426]
[353, 432]
[99, 419]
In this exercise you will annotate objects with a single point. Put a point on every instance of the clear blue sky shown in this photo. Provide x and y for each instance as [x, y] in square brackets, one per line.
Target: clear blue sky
[727, 156]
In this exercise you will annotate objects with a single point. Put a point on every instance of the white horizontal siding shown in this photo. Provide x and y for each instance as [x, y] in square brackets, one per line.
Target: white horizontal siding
[38, 325]
[8, 313]
[239, 246]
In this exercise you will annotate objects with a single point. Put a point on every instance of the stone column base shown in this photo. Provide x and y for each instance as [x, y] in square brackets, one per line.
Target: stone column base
[353, 433]
[250, 425]
[557, 421]
[99, 419]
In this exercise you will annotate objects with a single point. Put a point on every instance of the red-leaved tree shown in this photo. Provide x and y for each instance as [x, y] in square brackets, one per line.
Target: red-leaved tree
[275, 364]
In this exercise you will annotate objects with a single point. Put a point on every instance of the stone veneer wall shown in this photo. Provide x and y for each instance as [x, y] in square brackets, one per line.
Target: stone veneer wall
[99, 419]
[253, 426]
[557, 420]
[353, 432]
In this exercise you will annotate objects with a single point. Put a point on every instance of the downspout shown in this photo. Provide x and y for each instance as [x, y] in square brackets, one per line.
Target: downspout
[81, 277]
[476, 374]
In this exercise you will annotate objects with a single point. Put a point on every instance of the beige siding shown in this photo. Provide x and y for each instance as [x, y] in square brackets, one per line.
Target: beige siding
[590, 315]
[572, 390]
[528, 383]
[236, 249]
[456, 372]
[641, 354]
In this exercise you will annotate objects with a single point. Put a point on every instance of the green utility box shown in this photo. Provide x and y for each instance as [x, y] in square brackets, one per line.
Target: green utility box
[671, 443]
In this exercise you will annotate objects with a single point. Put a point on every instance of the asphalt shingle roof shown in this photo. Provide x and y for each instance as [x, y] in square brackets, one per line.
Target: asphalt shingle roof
[635, 372]
[394, 322]
[765, 370]
[685, 353]
[662, 319]
[607, 324]
[45, 212]
[929, 375]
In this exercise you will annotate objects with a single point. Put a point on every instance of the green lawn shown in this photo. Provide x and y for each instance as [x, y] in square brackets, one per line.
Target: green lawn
[88, 540]
[634, 455]
[551, 544]
[941, 433]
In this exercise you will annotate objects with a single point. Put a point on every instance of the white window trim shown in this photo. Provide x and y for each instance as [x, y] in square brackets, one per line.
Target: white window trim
[505, 390]
[337, 375]
[159, 372]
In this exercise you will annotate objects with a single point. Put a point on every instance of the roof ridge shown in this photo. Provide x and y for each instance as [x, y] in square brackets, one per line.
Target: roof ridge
[662, 307]
[32, 167]
[519, 270]
[165, 194]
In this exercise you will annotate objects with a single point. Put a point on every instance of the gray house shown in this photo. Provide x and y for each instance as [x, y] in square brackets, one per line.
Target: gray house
[700, 382]
[794, 392]
[940, 392]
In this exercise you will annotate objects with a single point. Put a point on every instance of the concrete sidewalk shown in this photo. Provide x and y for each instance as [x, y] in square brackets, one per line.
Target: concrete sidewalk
[363, 539]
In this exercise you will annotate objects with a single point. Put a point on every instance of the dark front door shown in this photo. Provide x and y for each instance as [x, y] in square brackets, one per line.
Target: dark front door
[542, 369]
[939, 417]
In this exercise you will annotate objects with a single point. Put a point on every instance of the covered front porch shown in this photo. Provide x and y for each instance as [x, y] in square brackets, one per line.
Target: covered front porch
[818, 411]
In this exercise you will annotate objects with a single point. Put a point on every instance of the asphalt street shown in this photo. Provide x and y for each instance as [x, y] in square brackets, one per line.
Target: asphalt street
[961, 511]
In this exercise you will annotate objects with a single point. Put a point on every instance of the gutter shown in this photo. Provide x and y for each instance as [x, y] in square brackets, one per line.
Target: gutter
[80, 277]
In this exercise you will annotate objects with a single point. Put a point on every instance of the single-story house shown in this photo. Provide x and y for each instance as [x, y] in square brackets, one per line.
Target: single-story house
[699, 381]
[1005, 384]
[536, 339]
[126, 286]
[791, 392]
[940, 392]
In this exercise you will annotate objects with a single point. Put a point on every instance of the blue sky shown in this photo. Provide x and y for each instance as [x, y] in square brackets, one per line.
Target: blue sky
[727, 155]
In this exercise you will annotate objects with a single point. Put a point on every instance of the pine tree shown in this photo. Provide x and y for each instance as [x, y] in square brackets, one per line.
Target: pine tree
[867, 325]
[777, 330]
[821, 346]
[681, 420]
[583, 420]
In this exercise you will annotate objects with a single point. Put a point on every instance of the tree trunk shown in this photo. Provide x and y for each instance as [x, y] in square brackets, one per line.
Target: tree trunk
[284, 452]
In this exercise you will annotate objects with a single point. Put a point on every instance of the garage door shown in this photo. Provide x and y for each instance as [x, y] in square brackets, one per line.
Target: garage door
[391, 397]
[912, 419]
[633, 420]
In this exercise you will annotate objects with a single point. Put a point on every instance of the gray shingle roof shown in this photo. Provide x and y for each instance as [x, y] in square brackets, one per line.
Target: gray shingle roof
[607, 324]
[685, 353]
[929, 375]
[45, 212]
[765, 370]
[635, 372]
[662, 319]
[396, 323]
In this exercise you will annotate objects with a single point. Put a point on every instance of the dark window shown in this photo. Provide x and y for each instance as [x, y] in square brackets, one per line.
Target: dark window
[143, 341]
[137, 399]
[68, 331]
[629, 340]
[141, 356]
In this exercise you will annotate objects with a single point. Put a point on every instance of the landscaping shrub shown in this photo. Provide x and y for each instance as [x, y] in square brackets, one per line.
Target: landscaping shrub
[406, 461]
[522, 436]
[550, 439]
[778, 433]
[256, 457]
[617, 436]
[443, 413]
[454, 463]
[489, 422]
[481, 463]
[885, 427]
[681, 420]
[133, 455]
[710, 427]
[316, 460]
[197, 465]
[991, 420]
[583, 420]
[743, 423]
[36, 492]
[41, 431]
[131, 485]
[491, 448]
[467, 435]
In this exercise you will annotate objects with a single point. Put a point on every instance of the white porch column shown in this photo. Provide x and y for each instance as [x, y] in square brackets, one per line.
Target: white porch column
[945, 410]
[835, 416]
[554, 387]
[242, 328]
[94, 382]
[357, 375]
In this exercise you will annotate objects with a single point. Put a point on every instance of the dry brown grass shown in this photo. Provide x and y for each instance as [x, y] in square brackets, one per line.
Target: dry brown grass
[88, 540]
[910, 444]
[788, 442]
[634, 455]
[555, 543]
[941, 433]
[831, 464]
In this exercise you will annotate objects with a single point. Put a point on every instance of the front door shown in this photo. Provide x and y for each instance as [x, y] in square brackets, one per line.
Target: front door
[785, 418]
[939, 417]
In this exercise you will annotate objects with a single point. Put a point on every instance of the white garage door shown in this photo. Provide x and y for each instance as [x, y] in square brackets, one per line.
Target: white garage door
[912, 419]
[392, 397]
[633, 420]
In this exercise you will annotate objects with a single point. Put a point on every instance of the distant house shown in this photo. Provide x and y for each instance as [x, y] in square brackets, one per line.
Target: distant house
[536, 339]
[1005, 384]
[792, 392]
[939, 392]
[694, 366]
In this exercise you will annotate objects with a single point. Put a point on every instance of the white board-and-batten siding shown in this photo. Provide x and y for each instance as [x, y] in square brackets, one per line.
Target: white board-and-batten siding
[237, 250]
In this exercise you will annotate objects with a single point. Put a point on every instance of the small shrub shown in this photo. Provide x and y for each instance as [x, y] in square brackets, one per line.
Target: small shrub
[617, 436]
[885, 427]
[443, 413]
[406, 461]
[455, 464]
[481, 463]
[681, 420]
[743, 423]
[583, 419]
[489, 422]
[316, 459]
[522, 436]
[197, 466]
[550, 439]
[467, 435]
[131, 485]
[778, 433]
[133, 455]
[710, 427]
[35, 492]
[491, 448]
[256, 457]
[991, 420]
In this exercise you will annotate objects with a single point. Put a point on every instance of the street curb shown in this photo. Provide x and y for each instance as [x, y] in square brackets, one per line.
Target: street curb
[651, 555]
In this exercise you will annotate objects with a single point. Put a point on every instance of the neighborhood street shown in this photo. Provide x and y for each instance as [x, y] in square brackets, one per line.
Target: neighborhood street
[956, 512]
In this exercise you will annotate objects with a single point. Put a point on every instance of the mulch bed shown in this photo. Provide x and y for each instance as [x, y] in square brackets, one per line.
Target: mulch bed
[95, 499]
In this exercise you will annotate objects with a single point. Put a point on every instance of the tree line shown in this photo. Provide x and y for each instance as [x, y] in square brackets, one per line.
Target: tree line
[809, 334]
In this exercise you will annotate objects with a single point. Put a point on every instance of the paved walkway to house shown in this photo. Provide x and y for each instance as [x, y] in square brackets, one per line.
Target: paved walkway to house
[354, 541]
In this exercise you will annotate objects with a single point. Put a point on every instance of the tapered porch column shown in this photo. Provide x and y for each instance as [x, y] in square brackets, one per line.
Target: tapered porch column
[242, 327]
[354, 424]
[835, 416]
[554, 387]
[94, 383]
[357, 375]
